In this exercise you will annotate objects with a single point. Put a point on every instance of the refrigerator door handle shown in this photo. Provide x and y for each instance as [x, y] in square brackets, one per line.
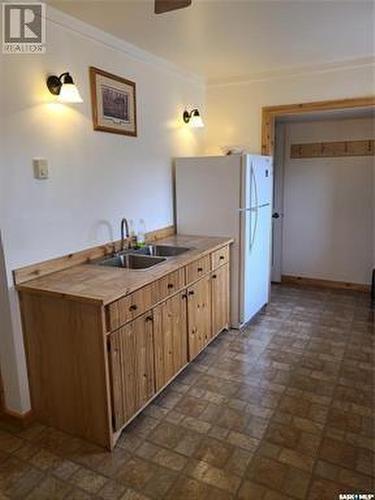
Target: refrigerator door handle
[253, 233]
[255, 185]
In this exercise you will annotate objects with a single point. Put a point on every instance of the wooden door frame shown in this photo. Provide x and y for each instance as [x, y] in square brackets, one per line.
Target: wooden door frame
[2, 402]
[270, 113]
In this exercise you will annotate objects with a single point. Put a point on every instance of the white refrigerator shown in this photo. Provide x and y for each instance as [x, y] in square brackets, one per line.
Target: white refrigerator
[231, 196]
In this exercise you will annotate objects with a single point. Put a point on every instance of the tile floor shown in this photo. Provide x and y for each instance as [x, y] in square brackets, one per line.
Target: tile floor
[284, 409]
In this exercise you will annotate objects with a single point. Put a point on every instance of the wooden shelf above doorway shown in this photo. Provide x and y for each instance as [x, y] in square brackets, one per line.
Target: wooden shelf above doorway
[333, 149]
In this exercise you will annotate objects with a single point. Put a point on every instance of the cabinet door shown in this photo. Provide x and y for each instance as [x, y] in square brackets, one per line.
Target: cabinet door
[199, 316]
[131, 361]
[170, 338]
[220, 299]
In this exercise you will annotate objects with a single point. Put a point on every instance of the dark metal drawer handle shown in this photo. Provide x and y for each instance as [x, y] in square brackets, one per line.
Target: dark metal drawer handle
[133, 307]
[214, 276]
[170, 285]
[222, 257]
[191, 292]
[184, 296]
[200, 269]
[149, 318]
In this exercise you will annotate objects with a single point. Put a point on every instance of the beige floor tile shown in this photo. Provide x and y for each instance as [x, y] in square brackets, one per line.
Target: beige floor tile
[88, 480]
[112, 490]
[136, 473]
[160, 483]
[187, 488]
[49, 488]
[214, 452]
[213, 476]
[133, 495]
[170, 460]
[298, 460]
[251, 491]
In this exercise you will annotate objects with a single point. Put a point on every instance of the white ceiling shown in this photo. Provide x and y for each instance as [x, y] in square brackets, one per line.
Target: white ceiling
[227, 39]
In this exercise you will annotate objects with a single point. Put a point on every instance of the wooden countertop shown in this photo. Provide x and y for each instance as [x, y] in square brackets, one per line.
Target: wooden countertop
[103, 285]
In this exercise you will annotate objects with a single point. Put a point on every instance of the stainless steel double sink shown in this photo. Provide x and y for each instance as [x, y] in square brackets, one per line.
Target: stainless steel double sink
[142, 258]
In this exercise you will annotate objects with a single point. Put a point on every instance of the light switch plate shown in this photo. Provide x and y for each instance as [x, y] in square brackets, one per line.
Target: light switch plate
[40, 166]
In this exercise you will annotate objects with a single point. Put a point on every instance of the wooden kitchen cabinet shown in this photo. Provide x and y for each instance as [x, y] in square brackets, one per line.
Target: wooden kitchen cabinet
[96, 358]
[199, 316]
[131, 361]
[170, 338]
[220, 299]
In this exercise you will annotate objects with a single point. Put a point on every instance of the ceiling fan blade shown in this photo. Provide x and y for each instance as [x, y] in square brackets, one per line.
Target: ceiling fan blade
[167, 5]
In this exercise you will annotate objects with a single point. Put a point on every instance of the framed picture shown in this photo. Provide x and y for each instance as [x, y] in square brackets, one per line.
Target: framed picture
[113, 103]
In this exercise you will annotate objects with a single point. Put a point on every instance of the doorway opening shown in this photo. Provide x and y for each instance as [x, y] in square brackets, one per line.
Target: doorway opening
[324, 192]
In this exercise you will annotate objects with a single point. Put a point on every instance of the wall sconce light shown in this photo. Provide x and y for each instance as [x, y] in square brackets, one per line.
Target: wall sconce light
[193, 118]
[64, 87]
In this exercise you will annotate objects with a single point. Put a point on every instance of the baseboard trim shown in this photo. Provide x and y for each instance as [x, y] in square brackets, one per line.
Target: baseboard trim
[341, 285]
[15, 418]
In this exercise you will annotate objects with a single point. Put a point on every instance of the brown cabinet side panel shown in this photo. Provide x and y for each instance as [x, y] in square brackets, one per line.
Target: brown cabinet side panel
[220, 299]
[132, 368]
[199, 316]
[170, 338]
[66, 358]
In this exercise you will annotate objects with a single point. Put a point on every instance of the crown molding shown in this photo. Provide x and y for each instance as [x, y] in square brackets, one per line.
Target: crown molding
[293, 71]
[94, 34]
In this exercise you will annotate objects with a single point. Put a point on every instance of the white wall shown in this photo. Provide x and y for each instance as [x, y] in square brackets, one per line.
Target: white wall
[95, 177]
[328, 222]
[234, 110]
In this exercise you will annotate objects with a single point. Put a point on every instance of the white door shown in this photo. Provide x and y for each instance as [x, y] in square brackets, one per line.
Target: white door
[278, 203]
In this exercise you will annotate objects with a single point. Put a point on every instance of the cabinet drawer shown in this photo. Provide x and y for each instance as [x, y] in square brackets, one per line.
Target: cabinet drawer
[128, 307]
[197, 269]
[220, 257]
[168, 285]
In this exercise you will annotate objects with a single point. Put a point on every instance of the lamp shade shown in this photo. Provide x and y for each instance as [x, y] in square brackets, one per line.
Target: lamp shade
[196, 120]
[69, 94]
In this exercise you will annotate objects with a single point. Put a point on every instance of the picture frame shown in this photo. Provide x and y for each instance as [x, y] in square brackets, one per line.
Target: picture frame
[114, 105]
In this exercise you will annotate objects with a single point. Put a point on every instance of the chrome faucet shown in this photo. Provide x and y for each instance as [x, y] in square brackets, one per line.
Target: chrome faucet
[124, 232]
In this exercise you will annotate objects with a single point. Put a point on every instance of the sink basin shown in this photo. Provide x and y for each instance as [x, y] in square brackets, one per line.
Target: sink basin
[162, 250]
[131, 261]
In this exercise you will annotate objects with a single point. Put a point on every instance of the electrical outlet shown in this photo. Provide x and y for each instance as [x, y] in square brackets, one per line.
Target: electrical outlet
[40, 166]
